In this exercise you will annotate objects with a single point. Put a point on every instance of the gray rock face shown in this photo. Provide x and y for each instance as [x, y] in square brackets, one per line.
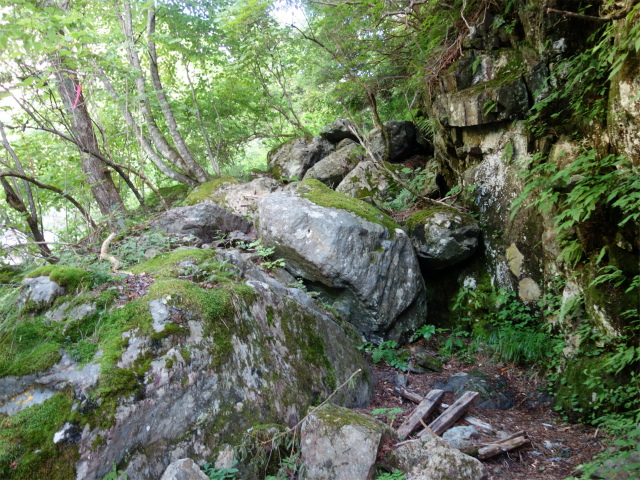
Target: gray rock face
[242, 198]
[434, 459]
[495, 394]
[283, 353]
[184, 469]
[461, 437]
[337, 131]
[40, 290]
[204, 220]
[295, 157]
[345, 143]
[339, 444]
[332, 169]
[365, 180]
[74, 313]
[370, 274]
[443, 236]
[403, 140]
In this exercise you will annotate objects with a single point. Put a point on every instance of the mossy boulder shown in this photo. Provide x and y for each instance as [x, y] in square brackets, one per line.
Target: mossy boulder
[44, 285]
[357, 256]
[366, 180]
[339, 444]
[443, 236]
[184, 368]
[208, 191]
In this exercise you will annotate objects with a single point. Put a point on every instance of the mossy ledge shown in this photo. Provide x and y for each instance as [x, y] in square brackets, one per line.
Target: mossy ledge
[202, 192]
[318, 193]
[68, 277]
[419, 218]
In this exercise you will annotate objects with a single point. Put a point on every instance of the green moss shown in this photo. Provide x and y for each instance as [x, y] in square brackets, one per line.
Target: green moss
[214, 306]
[68, 277]
[118, 382]
[202, 192]
[31, 430]
[322, 195]
[166, 264]
[185, 353]
[31, 346]
[171, 195]
[420, 218]
[168, 362]
[168, 330]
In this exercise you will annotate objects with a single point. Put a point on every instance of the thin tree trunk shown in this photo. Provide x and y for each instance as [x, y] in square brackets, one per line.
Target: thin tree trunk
[146, 145]
[98, 175]
[169, 119]
[53, 189]
[160, 143]
[215, 162]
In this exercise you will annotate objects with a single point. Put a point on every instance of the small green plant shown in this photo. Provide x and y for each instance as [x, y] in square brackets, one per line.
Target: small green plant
[114, 474]
[389, 413]
[290, 467]
[220, 473]
[405, 198]
[395, 475]
[387, 351]
[264, 253]
[426, 332]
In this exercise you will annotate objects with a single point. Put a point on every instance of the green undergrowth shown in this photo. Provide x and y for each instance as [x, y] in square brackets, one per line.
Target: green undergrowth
[26, 438]
[31, 345]
[320, 194]
[68, 277]
[202, 192]
[171, 195]
[166, 264]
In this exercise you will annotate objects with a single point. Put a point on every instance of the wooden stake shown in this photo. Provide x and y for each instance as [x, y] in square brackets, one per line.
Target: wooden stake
[504, 446]
[422, 411]
[451, 414]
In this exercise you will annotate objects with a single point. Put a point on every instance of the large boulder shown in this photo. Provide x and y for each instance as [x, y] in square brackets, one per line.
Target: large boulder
[332, 169]
[434, 459]
[366, 180]
[338, 130]
[238, 198]
[358, 257]
[183, 370]
[339, 444]
[403, 140]
[295, 157]
[204, 220]
[443, 236]
[42, 291]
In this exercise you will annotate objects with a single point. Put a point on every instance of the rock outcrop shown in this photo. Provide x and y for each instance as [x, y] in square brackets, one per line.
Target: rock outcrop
[332, 169]
[358, 257]
[292, 159]
[338, 130]
[365, 180]
[205, 221]
[402, 137]
[443, 236]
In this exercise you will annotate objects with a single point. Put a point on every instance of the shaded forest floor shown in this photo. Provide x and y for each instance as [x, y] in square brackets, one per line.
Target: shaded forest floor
[557, 447]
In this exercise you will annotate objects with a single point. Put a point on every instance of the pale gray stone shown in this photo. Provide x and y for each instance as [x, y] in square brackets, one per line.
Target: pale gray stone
[369, 273]
[461, 437]
[339, 444]
[332, 169]
[40, 290]
[435, 459]
[184, 469]
[295, 157]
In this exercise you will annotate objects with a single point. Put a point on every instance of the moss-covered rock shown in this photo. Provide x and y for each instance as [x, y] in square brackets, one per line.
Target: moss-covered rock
[69, 278]
[206, 191]
[358, 257]
[443, 236]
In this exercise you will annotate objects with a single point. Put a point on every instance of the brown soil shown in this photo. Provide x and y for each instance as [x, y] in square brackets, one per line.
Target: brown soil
[556, 448]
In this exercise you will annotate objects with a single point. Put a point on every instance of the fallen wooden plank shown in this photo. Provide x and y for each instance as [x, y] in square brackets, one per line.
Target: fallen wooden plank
[451, 414]
[504, 446]
[404, 393]
[475, 421]
[421, 412]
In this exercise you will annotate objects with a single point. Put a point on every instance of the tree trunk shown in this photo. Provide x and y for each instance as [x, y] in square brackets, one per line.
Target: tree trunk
[170, 120]
[146, 146]
[98, 176]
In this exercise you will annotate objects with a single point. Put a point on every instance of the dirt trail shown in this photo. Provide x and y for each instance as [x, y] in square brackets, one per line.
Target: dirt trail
[556, 448]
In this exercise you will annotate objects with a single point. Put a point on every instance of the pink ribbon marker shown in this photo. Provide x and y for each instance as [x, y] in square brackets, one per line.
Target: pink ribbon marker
[77, 96]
